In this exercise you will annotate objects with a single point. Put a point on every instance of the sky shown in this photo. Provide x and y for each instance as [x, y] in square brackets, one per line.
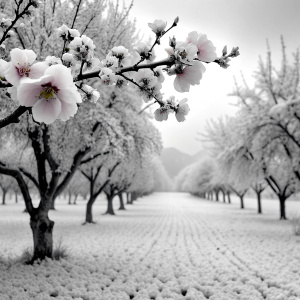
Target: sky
[242, 23]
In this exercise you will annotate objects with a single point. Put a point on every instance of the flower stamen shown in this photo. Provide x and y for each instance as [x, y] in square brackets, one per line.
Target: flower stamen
[23, 70]
[48, 91]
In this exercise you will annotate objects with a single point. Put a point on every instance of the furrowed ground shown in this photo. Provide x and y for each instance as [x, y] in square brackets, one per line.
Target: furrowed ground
[165, 246]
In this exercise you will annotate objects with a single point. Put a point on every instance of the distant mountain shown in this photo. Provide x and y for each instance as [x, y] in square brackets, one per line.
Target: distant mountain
[174, 160]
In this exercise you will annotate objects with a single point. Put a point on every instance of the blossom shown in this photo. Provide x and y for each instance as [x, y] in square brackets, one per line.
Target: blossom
[82, 48]
[52, 60]
[185, 52]
[182, 110]
[159, 74]
[122, 55]
[149, 85]
[90, 94]
[88, 43]
[67, 33]
[4, 65]
[68, 60]
[190, 75]
[92, 65]
[107, 76]
[235, 52]
[144, 51]
[74, 33]
[110, 62]
[146, 78]
[22, 66]
[53, 96]
[158, 27]
[206, 49]
[121, 81]
[148, 93]
[162, 113]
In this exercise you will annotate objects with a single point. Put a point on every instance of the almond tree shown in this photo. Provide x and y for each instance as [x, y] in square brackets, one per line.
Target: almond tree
[272, 124]
[55, 89]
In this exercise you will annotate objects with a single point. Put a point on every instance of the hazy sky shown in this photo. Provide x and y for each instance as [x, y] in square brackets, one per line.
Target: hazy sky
[246, 24]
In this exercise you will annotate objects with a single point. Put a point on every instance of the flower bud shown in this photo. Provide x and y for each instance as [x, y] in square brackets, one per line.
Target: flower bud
[172, 42]
[176, 21]
[235, 52]
[224, 51]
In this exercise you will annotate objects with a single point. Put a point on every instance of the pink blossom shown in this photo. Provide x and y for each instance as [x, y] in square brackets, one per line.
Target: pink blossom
[206, 49]
[22, 66]
[182, 110]
[185, 52]
[53, 96]
[190, 75]
[161, 114]
[4, 66]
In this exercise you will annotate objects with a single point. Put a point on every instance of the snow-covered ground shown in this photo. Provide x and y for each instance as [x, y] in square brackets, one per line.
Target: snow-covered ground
[165, 246]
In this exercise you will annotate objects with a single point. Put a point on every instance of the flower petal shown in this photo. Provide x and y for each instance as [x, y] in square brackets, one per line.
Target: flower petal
[70, 95]
[18, 57]
[181, 85]
[68, 110]
[37, 70]
[13, 93]
[207, 51]
[4, 66]
[62, 76]
[28, 92]
[12, 75]
[46, 111]
[30, 56]
[192, 37]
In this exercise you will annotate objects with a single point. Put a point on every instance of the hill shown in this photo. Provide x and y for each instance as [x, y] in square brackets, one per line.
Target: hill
[174, 160]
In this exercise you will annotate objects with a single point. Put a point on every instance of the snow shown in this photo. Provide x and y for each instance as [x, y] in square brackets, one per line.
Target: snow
[165, 246]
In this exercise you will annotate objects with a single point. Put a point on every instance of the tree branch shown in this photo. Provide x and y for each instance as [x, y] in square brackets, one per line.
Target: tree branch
[22, 184]
[31, 177]
[14, 116]
[166, 62]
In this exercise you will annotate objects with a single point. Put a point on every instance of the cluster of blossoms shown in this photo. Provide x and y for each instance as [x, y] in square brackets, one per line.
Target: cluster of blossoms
[48, 86]
[180, 108]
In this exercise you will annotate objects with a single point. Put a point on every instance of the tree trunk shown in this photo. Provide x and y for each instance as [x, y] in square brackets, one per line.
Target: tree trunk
[89, 210]
[3, 196]
[16, 197]
[128, 195]
[224, 196]
[134, 196]
[70, 199]
[75, 199]
[228, 197]
[282, 207]
[259, 208]
[122, 206]
[110, 209]
[42, 228]
[242, 201]
[217, 195]
[52, 207]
